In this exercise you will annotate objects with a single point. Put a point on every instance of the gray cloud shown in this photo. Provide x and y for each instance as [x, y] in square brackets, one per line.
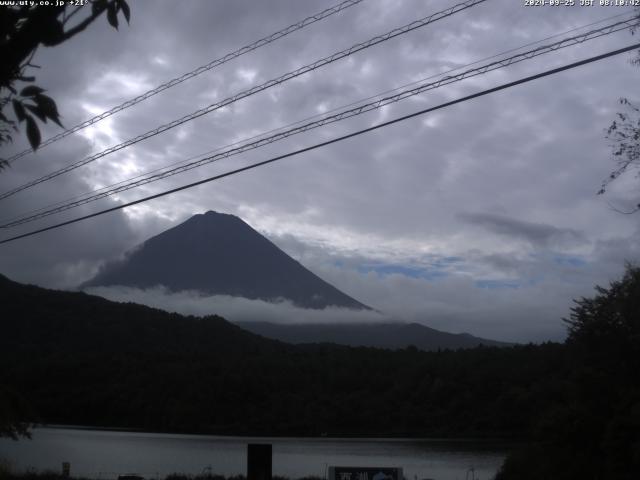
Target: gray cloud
[505, 183]
[537, 234]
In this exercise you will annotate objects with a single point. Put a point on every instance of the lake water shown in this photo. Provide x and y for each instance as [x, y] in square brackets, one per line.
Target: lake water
[105, 454]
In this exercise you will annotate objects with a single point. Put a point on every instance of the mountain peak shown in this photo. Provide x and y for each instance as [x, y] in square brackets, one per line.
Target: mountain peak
[220, 254]
[213, 215]
[212, 222]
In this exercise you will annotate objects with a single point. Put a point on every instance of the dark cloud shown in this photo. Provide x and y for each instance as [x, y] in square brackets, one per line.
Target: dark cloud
[537, 234]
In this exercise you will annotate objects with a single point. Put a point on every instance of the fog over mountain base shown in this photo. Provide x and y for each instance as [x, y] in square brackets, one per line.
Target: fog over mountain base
[281, 320]
[235, 309]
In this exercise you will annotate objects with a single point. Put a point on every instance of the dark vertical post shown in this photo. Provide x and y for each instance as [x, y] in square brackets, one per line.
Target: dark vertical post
[259, 461]
[66, 469]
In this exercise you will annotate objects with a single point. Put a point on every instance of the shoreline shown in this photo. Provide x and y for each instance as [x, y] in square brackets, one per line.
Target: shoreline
[332, 437]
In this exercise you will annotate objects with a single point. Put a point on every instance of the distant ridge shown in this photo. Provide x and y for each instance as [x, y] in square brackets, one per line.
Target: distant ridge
[219, 254]
[388, 335]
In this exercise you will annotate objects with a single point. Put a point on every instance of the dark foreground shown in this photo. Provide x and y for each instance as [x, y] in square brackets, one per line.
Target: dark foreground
[75, 359]
[5, 475]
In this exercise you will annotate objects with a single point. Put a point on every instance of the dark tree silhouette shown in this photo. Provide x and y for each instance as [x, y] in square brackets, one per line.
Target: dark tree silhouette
[624, 135]
[22, 30]
[12, 414]
[609, 318]
[592, 429]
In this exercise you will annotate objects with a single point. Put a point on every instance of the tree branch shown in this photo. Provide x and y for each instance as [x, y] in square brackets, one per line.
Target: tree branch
[623, 212]
[86, 22]
[68, 17]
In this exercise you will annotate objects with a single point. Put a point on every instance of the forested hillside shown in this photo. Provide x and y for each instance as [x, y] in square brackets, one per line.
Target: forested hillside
[79, 359]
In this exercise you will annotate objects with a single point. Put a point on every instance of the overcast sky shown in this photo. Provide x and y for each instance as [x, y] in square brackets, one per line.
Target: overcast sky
[481, 217]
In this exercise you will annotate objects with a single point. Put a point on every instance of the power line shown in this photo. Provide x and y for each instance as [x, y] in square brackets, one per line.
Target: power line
[114, 189]
[273, 82]
[194, 73]
[27, 215]
[297, 122]
[327, 119]
[329, 142]
[103, 192]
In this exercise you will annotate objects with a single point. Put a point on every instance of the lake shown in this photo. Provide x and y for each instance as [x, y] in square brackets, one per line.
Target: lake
[105, 454]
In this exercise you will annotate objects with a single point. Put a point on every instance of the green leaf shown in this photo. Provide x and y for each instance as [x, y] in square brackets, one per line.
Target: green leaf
[37, 112]
[51, 32]
[48, 107]
[98, 6]
[122, 5]
[112, 15]
[33, 132]
[31, 90]
[19, 109]
[57, 121]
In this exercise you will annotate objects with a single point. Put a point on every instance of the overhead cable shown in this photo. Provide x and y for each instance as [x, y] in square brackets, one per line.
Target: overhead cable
[329, 142]
[194, 73]
[348, 113]
[246, 93]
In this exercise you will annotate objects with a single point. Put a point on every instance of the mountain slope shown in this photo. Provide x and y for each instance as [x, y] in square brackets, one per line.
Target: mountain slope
[220, 254]
[379, 335]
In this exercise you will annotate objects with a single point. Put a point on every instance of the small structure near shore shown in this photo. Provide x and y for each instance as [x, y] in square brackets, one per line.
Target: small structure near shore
[259, 461]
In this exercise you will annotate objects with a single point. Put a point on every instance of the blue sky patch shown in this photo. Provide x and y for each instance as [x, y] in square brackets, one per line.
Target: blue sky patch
[570, 260]
[498, 284]
[406, 270]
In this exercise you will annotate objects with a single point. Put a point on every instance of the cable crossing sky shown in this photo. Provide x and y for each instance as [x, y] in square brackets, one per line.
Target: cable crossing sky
[256, 89]
[334, 140]
[194, 73]
[328, 119]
